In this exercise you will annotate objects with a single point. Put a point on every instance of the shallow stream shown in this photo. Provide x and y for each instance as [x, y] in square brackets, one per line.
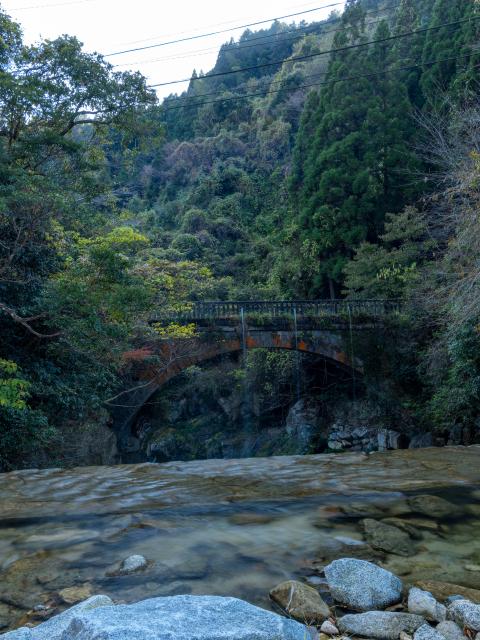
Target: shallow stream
[228, 527]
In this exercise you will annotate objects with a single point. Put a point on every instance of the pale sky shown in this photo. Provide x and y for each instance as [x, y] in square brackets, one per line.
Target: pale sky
[107, 26]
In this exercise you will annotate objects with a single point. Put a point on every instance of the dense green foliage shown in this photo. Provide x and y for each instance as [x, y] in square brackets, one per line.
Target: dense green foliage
[293, 174]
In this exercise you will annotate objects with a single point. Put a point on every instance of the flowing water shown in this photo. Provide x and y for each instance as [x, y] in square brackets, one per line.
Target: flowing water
[228, 527]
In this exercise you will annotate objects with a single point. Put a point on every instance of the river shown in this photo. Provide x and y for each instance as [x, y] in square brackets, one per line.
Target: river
[228, 527]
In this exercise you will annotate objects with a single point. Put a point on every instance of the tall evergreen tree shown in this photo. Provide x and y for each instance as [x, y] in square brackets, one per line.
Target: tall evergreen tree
[353, 166]
[456, 46]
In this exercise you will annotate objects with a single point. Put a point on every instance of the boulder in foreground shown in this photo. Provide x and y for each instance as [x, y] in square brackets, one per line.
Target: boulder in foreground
[177, 617]
[361, 585]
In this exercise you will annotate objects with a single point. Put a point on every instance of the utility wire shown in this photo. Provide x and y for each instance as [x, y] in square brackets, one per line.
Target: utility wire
[214, 33]
[315, 55]
[312, 29]
[317, 84]
[209, 26]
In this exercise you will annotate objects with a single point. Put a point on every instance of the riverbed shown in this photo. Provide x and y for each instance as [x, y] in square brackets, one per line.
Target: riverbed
[228, 527]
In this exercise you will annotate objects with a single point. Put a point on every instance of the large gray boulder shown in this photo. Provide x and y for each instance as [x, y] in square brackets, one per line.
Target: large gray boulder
[361, 585]
[172, 618]
[382, 625]
[465, 613]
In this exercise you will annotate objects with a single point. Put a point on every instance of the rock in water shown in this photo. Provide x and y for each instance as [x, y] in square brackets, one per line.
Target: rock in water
[424, 604]
[434, 507]
[361, 585]
[178, 617]
[450, 630]
[72, 595]
[383, 625]
[54, 628]
[465, 613]
[132, 564]
[387, 537]
[300, 601]
[426, 632]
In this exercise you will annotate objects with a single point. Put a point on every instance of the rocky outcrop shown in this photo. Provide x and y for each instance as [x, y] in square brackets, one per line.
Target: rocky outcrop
[364, 439]
[303, 423]
[361, 585]
[179, 617]
[364, 426]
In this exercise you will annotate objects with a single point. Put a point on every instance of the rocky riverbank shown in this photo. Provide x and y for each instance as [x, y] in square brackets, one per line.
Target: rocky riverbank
[237, 528]
[365, 601]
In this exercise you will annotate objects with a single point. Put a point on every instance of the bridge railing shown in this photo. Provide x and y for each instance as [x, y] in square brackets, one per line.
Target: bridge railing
[222, 310]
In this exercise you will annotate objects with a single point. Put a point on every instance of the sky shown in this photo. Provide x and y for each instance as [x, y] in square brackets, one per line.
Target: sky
[108, 26]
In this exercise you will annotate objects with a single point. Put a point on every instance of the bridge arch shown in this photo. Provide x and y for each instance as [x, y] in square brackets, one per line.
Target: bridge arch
[180, 356]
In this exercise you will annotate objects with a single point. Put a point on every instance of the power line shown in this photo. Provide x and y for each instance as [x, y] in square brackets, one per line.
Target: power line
[317, 84]
[315, 55]
[217, 24]
[192, 98]
[214, 33]
[312, 29]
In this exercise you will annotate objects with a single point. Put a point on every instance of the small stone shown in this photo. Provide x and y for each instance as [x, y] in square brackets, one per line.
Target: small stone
[39, 608]
[361, 585]
[329, 628]
[301, 602]
[387, 538]
[72, 595]
[472, 567]
[450, 630]
[426, 632]
[405, 636]
[424, 604]
[132, 564]
[383, 625]
[465, 613]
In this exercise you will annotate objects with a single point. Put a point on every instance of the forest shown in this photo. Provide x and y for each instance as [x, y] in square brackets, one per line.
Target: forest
[334, 159]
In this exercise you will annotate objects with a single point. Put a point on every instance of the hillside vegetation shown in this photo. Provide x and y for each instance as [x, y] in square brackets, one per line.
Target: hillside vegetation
[331, 159]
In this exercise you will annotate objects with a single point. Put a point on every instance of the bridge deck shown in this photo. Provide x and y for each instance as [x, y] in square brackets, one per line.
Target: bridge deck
[221, 310]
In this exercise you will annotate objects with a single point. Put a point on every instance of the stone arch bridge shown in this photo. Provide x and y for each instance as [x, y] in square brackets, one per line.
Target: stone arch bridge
[323, 328]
